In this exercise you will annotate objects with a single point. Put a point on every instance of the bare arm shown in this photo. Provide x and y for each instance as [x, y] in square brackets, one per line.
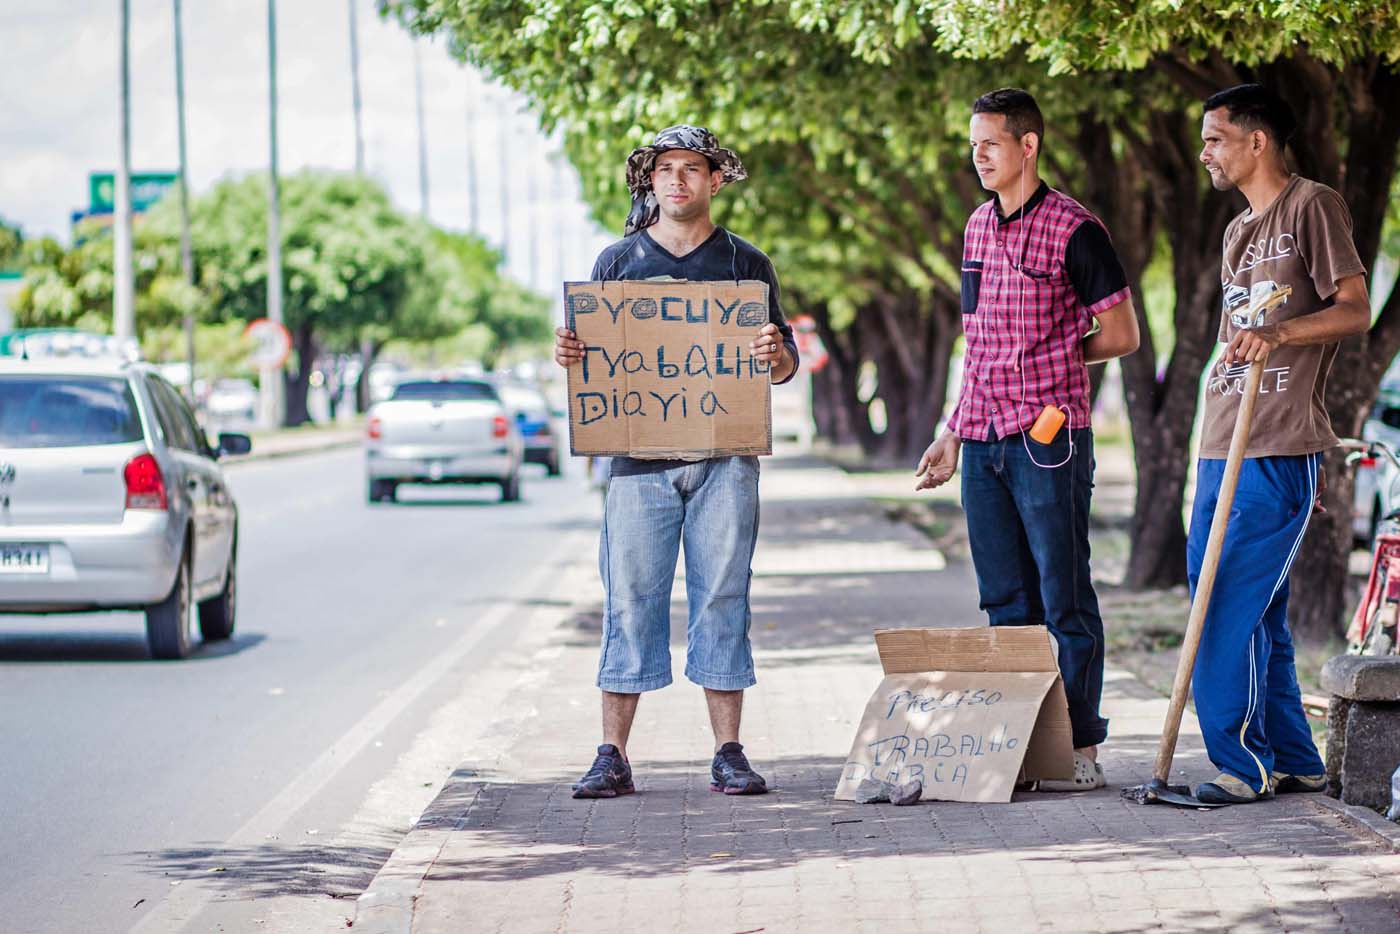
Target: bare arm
[1350, 313]
[1117, 335]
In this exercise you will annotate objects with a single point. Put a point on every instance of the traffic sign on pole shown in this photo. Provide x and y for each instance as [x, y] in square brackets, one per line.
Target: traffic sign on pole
[272, 343]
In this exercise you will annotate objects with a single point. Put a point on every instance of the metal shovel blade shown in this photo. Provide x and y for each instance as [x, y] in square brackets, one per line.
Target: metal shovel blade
[1159, 792]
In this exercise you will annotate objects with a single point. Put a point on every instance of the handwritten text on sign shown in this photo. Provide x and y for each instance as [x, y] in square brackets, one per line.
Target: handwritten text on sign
[962, 733]
[667, 370]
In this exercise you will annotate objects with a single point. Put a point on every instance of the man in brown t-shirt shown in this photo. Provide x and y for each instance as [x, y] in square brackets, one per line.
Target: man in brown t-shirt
[1293, 287]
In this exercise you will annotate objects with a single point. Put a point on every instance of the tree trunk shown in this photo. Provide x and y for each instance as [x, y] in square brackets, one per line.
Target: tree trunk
[848, 417]
[297, 386]
[1363, 106]
[369, 352]
[1162, 405]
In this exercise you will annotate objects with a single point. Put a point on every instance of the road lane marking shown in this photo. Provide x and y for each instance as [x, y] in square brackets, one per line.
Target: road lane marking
[185, 902]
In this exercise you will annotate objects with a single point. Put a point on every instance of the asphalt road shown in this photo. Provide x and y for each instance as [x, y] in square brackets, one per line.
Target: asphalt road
[260, 784]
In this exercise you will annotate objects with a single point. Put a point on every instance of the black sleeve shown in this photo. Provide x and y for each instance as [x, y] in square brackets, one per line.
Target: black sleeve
[766, 273]
[1093, 266]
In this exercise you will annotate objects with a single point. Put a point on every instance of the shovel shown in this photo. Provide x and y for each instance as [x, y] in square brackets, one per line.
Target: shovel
[1157, 790]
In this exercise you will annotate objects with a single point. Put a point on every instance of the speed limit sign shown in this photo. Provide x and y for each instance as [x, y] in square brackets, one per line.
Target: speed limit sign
[272, 343]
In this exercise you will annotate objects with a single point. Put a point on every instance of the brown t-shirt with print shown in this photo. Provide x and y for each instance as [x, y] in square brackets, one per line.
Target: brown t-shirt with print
[1282, 263]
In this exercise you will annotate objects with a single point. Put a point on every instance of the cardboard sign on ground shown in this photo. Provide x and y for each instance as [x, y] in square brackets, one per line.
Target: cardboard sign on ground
[667, 370]
[965, 710]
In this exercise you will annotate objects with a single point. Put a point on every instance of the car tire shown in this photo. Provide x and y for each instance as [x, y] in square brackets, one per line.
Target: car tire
[170, 623]
[216, 615]
[382, 491]
[552, 467]
[510, 488]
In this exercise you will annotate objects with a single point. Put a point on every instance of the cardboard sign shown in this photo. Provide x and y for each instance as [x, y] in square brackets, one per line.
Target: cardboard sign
[667, 370]
[966, 711]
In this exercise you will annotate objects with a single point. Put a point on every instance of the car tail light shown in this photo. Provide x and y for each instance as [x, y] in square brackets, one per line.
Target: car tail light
[500, 427]
[145, 487]
[376, 429]
[1366, 462]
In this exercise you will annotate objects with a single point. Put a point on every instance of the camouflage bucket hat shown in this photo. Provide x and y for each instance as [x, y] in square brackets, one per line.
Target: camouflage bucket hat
[640, 163]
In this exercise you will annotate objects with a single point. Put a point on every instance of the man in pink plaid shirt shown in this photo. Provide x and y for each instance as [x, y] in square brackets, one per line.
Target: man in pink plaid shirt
[1038, 271]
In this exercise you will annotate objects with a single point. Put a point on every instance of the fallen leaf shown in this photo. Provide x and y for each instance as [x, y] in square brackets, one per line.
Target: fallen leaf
[138, 903]
[218, 869]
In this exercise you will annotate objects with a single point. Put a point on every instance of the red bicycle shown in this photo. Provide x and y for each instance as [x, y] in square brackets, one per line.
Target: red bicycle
[1373, 629]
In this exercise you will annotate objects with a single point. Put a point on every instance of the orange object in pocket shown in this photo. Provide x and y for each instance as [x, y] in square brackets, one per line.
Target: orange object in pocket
[1047, 425]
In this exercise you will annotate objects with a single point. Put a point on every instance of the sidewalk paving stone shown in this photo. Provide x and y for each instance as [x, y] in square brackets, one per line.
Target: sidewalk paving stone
[517, 854]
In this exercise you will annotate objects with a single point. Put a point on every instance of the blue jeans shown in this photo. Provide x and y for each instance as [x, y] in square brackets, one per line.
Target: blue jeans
[1028, 530]
[1246, 687]
[711, 506]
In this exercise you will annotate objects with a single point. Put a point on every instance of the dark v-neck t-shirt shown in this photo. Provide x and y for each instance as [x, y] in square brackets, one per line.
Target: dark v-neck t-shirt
[723, 257]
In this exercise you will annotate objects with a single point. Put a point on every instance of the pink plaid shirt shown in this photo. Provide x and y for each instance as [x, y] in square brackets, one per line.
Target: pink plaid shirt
[1026, 311]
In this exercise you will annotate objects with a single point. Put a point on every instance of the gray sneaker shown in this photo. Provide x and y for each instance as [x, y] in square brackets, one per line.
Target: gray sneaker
[609, 777]
[730, 773]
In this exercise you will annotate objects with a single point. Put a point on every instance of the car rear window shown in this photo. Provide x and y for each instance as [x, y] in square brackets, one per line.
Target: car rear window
[443, 391]
[66, 411]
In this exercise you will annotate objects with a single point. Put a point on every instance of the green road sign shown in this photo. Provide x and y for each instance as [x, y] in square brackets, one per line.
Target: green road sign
[146, 189]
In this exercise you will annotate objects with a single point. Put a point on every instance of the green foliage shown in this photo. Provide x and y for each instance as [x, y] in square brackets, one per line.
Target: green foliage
[11, 246]
[219, 348]
[349, 258]
[353, 267]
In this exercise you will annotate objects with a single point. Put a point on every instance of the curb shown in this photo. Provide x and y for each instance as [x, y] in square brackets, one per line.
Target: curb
[316, 447]
[387, 904]
[1366, 820]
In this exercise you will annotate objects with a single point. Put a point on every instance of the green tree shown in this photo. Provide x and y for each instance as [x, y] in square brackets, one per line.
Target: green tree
[1338, 64]
[356, 272]
[858, 184]
[11, 245]
[864, 87]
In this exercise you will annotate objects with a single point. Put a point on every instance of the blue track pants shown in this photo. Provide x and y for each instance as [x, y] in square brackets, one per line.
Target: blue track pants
[1245, 686]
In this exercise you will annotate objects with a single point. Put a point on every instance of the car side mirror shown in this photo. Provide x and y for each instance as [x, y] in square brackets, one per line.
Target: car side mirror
[520, 418]
[232, 444]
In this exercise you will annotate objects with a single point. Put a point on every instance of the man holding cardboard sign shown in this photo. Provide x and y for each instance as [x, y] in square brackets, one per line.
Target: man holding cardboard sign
[654, 503]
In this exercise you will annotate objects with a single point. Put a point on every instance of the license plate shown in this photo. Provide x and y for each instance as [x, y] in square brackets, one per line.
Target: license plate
[24, 559]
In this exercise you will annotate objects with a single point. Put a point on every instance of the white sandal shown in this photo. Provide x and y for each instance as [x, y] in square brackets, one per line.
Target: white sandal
[1088, 775]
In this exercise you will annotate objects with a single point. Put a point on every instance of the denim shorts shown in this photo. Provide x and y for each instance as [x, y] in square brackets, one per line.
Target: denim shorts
[712, 507]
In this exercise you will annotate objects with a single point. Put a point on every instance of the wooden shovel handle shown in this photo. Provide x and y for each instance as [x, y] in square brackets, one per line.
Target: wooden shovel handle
[1239, 441]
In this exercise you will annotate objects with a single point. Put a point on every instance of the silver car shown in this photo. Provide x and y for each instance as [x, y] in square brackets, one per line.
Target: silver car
[442, 431]
[1377, 490]
[112, 499]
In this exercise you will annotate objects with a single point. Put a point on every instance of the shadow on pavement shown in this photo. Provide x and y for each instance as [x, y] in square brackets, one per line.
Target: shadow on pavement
[109, 646]
[273, 869]
[514, 832]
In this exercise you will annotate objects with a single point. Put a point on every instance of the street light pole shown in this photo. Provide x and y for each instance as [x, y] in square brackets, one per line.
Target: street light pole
[186, 244]
[123, 284]
[422, 131]
[531, 225]
[473, 203]
[503, 141]
[272, 390]
[355, 90]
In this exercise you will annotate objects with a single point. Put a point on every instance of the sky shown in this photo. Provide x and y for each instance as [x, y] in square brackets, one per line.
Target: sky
[60, 99]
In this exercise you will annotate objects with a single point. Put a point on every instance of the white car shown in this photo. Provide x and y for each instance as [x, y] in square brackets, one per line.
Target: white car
[112, 499]
[442, 431]
[232, 403]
